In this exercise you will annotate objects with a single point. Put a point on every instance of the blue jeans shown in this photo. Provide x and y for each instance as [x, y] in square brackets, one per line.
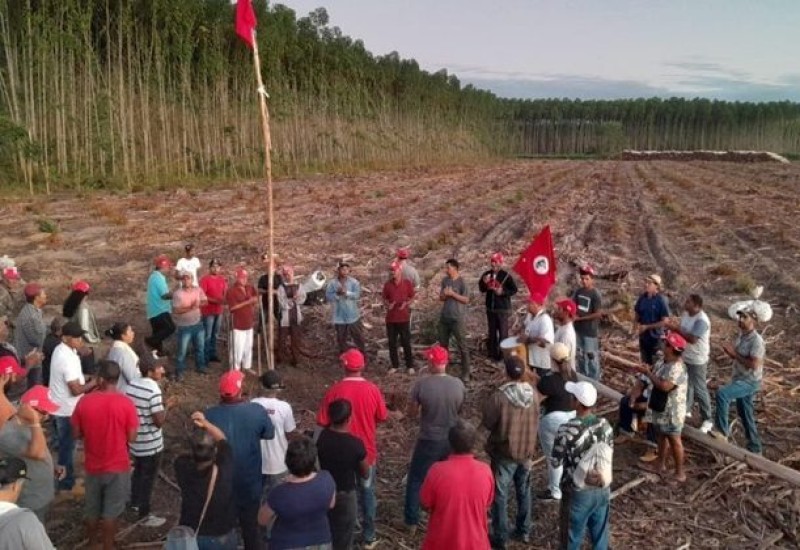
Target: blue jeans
[504, 471]
[697, 388]
[211, 324]
[66, 451]
[587, 354]
[743, 392]
[222, 542]
[426, 453]
[196, 335]
[581, 509]
[368, 505]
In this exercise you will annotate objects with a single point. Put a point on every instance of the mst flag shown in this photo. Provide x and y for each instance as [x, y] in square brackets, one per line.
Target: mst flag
[245, 21]
[537, 264]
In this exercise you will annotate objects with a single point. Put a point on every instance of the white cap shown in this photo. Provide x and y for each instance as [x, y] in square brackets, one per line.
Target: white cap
[583, 392]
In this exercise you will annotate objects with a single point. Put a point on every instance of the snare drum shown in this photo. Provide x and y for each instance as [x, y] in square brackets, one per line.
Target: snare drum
[513, 347]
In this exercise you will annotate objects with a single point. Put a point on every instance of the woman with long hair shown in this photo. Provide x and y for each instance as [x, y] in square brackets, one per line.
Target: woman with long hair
[122, 353]
[77, 309]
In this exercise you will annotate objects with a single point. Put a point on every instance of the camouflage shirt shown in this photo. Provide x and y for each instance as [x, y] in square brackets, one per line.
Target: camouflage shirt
[574, 438]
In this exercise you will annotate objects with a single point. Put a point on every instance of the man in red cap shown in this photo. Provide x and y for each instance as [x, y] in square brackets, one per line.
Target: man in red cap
[369, 409]
[22, 436]
[667, 405]
[437, 400]
[186, 304]
[564, 315]
[245, 425]
[498, 286]
[587, 323]
[215, 285]
[30, 330]
[159, 305]
[10, 372]
[538, 332]
[242, 300]
[12, 297]
[409, 271]
[398, 293]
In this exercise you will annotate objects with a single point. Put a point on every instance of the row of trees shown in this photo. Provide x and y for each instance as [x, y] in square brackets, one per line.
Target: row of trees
[128, 92]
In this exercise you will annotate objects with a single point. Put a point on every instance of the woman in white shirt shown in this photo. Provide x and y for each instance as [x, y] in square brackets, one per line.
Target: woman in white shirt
[76, 309]
[122, 354]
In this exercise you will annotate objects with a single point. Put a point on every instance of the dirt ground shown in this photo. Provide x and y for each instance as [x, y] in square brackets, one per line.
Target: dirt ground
[711, 228]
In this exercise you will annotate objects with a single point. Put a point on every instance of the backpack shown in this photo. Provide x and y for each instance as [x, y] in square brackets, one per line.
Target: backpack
[597, 458]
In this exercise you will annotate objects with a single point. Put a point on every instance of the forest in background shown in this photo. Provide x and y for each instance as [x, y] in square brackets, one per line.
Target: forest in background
[137, 93]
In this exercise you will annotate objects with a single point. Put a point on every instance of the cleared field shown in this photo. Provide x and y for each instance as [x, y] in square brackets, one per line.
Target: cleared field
[711, 228]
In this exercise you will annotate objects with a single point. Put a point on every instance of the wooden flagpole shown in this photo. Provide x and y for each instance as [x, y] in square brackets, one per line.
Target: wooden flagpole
[262, 100]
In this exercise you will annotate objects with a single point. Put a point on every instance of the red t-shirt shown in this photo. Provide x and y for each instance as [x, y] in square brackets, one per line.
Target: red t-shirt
[244, 317]
[457, 494]
[214, 286]
[398, 293]
[105, 418]
[369, 408]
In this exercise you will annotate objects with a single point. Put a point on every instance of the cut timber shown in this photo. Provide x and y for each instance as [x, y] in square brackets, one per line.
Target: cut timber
[757, 462]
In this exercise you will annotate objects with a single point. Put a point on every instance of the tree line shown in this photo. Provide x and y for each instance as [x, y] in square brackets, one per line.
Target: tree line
[131, 93]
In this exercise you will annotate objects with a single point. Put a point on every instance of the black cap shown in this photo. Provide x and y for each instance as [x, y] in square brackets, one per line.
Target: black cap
[12, 469]
[272, 380]
[73, 328]
[748, 312]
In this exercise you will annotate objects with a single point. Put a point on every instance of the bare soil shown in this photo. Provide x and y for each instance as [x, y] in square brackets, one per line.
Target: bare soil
[708, 227]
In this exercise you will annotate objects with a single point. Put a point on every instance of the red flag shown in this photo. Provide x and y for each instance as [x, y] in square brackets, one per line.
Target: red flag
[245, 21]
[537, 264]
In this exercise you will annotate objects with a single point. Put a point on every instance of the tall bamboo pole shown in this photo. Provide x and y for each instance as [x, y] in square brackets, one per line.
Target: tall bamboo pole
[262, 100]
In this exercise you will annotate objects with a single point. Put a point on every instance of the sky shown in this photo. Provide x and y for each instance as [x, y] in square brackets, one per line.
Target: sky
[745, 50]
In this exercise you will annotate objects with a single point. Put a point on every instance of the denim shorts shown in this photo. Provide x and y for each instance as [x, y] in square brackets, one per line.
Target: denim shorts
[669, 429]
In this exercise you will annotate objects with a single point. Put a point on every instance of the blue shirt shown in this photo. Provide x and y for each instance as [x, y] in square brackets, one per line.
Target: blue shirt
[649, 310]
[156, 287]
[301, 511]
[345, 307]
[244, 425]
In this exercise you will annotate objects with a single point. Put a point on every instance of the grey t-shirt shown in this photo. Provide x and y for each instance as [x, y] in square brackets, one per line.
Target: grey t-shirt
[588, 301]
[39, 490]
[20, 529]
[440, 398]
[749, 345]
[453, 309]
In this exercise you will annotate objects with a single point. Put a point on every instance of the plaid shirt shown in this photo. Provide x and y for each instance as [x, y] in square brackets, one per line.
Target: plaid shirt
[574, 438]
[29, 330]
[512, 428]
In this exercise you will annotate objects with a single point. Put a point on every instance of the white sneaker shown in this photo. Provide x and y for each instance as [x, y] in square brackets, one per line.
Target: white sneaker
[391, 371]
[706, 426]
[153, 521]
[410, 371]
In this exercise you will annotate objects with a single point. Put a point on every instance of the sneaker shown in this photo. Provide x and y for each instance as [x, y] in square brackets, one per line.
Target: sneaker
[153, 521]
[707, 426]
[410, 372]
[545, 495]
[718, 435]
[391, 370]
[411, 530]
[649, 456]
[371, 544]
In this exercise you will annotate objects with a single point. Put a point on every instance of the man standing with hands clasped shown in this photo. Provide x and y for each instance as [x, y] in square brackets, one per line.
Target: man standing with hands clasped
[398, 293]
[498, 286]
[344, 292]
[452, 322]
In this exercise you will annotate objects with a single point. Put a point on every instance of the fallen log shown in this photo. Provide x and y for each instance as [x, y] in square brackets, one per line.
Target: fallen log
[757, 462]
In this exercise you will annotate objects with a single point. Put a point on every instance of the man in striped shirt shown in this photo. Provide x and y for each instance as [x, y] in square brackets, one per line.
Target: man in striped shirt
[146, 450]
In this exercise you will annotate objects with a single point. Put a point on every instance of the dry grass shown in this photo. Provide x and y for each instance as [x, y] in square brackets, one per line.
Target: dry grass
[722, 270]
[745, 283]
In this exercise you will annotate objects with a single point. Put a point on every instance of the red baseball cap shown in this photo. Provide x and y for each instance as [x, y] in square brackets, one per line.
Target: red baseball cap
[32, 289]
[587, 269]
[163, 261]
[675, 340]
[230, 383]
[569, 306]
[9, 365]
[437, 355]
[38, 398]
[241, 273]
[81, 286]
[538, 298]
[11, 273]
[497, 258]
[352, 360]
[403, 253]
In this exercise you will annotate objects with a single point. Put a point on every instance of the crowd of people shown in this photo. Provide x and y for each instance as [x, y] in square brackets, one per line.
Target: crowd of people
[249, 475]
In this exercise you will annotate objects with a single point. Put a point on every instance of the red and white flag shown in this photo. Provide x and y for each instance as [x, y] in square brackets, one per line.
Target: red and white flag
[537, 264]
[245, 21]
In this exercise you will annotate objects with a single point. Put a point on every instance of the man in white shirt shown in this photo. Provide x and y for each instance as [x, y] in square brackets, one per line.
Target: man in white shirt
[695, 327]
[564, 315]
[67, 385]
[273, 451]
[538, 332]
[190, 263]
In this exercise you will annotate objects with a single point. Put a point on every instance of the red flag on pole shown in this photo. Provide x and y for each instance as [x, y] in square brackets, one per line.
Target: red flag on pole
[245, 21]
[537, 264]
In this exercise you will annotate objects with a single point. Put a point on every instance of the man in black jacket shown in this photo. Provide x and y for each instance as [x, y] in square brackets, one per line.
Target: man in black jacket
[499, 287]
